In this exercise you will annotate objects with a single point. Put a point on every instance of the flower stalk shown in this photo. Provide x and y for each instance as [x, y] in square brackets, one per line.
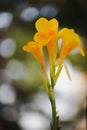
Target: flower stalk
[53, 106]
[52, 74]
[52, 98]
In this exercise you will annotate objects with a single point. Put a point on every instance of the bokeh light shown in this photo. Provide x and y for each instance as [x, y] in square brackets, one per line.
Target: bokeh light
[5, 19]
[66, 110]
[15, 70]
[49, 11]
[29, 14]
[32, 121]
[7, 94]
[7, 48]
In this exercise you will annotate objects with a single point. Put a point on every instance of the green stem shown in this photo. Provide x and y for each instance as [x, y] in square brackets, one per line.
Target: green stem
[52, 74]
[53, 106]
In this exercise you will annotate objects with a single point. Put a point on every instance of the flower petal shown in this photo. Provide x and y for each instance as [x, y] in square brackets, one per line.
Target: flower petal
[67, 35]
[77, 39]
[41, 24]
[41, 38]
[52, 50]
[53, 25]
[66, 49]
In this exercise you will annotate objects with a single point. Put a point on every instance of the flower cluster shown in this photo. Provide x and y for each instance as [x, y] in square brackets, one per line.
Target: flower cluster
[47, 35]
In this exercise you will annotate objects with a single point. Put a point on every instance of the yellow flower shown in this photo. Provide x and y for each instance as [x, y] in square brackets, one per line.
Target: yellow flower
[70, 41]
[46, 30]
[47, 36]
[36, 50]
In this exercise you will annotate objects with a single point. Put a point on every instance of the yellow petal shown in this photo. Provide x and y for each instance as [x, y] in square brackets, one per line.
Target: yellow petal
[77, 39]
[30, 47]
[52, 50]
[41, 24]
[67, 35]
[53, 25]
[42, 38]
[66, 49]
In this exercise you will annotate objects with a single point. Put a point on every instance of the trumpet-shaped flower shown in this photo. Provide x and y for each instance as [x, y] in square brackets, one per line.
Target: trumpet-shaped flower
[36, 50]
[47, 36]
[70, 41]
[46, 30]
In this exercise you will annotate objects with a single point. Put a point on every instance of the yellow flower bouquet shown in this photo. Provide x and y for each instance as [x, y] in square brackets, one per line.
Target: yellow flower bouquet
[47, 35]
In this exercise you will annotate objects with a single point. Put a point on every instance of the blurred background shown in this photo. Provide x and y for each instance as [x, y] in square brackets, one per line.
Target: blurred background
[24, 104]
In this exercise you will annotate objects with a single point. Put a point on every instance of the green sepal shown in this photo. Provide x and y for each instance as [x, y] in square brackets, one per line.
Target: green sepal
[67, 71]
[58, 72]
